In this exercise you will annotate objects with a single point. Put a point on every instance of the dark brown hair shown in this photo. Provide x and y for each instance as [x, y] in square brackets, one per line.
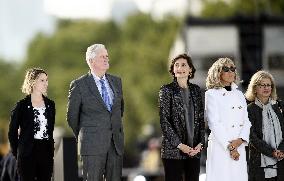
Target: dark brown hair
[189, 62]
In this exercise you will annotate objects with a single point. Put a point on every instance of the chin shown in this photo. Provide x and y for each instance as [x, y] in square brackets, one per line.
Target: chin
[181, 76]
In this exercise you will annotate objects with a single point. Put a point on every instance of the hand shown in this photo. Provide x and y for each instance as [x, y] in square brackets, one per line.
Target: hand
[234, 144]
[185, 149]
[279, 155]
[199, 147]
[235, 154]
[196, 150]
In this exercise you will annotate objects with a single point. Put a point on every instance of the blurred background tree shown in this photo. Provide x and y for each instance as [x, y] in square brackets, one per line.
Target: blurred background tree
[225, 8]
[8, 90]
[138, 49]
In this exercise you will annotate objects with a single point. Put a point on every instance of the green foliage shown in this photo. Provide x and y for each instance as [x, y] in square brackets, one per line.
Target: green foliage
[143, 68]
[138, 52]
[222, 8]
[9, 89]
[63, 56]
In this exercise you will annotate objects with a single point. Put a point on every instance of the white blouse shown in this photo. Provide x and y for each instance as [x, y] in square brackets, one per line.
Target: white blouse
[40, 123]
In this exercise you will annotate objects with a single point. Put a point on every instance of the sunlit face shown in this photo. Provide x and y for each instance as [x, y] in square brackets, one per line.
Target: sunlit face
[100, 62]
[41, 84]
[228, 74]
[263, 88]
[181, 68]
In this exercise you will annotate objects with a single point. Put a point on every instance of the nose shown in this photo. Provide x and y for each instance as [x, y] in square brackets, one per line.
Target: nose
[266, 87]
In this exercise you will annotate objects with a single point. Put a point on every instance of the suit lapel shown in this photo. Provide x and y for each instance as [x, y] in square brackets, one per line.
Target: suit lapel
[94, 89]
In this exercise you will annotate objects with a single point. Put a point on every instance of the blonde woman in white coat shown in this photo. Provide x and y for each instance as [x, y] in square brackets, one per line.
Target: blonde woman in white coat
[226, 113]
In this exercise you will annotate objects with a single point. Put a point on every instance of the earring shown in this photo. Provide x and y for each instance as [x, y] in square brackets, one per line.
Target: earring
[190, 74]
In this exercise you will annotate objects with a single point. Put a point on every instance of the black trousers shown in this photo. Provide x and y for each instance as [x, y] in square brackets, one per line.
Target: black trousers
[39, 165]
[182, 170]
[271, 179]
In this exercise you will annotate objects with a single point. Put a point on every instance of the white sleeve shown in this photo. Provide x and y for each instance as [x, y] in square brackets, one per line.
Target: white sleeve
[244, 134]
[214, 122]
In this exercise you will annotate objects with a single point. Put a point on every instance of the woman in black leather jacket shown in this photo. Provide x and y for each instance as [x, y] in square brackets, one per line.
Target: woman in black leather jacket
[31, 129]
[182, 122]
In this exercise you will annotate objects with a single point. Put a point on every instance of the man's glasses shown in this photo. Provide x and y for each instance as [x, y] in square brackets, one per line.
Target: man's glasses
[227, 69]
[264, 85]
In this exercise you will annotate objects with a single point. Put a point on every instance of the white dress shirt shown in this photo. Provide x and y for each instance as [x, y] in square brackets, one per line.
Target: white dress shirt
[109, 90]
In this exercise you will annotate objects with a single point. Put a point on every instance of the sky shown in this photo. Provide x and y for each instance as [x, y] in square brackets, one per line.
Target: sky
[103, 9]
[76, 9]
[18, 27]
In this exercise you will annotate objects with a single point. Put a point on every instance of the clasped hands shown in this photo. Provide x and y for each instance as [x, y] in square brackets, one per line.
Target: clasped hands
[189, 150]
[278, 154]
[233, 148]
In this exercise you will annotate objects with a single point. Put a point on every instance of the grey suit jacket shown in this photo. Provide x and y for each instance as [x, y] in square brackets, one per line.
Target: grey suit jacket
[87, 115]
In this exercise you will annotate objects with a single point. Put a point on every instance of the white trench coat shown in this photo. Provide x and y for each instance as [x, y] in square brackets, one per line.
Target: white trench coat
[226, 113]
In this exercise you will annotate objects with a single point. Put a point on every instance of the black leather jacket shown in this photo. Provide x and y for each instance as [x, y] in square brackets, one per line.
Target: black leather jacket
[172, 119]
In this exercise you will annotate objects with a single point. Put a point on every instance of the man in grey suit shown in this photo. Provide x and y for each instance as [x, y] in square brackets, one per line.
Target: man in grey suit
[94, 113]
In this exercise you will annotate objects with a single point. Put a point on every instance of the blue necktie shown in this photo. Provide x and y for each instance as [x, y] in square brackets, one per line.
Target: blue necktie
[105, 95]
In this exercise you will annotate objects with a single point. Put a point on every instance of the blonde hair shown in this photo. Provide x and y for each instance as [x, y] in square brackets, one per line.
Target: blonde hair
[30, 79]
[213, 80]
[255, 80]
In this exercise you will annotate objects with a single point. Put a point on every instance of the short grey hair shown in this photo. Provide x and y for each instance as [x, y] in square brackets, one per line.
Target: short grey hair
[92, 51]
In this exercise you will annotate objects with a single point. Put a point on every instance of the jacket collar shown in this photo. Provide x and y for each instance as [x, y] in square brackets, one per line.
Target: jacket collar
[234, 86]
[95, 91]
[28, 99]
[175, 84]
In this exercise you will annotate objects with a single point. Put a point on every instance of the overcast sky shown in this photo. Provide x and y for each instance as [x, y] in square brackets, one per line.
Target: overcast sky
[19, 26]
[103, 9]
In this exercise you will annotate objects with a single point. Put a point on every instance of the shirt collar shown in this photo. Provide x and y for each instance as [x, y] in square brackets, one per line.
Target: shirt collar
[98, 78]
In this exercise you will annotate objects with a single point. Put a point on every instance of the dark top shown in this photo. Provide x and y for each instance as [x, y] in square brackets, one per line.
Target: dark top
[228, 88]
[258, 146]
[9, 172]
[22, 116]
[189, 122]
[173, 121]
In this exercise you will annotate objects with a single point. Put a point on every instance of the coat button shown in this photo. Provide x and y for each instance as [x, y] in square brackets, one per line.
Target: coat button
[233, 107]
[240, 107]
[241, 125]
[233, 126]
[224, 94]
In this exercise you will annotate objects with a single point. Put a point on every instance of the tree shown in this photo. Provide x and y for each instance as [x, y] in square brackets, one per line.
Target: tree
[8, 90]
[138, 52]
[222, 8]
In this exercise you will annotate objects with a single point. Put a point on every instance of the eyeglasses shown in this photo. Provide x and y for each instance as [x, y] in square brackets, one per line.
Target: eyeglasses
[227, 69]
[264, 85]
